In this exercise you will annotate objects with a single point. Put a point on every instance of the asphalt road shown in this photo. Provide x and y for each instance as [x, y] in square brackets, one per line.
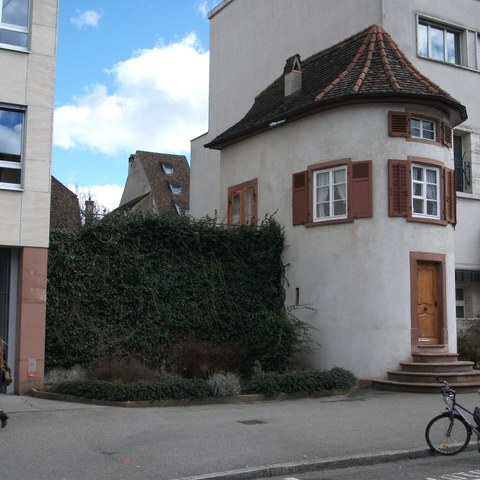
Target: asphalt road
[54, 440]
[465, 466]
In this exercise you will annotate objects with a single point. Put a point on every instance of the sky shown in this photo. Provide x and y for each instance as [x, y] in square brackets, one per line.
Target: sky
[131, 75]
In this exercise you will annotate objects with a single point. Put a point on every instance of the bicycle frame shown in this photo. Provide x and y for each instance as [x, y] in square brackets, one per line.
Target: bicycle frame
[450, 395]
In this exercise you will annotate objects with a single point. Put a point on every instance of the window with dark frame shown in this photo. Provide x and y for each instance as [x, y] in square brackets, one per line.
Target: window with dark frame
[460, 302]
[242, 203]
[439, 42]
[11, 147]
[463, 168]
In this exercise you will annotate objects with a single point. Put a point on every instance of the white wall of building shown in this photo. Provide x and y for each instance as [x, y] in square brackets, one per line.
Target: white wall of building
[246, 56]
[356, 276]
[27, 80]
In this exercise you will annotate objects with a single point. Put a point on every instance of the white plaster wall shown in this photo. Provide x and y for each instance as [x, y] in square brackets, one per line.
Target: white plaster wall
[137, 183]
[28, 80]
[204, 179]
[467, 236]
[246, 56]
[356, 276]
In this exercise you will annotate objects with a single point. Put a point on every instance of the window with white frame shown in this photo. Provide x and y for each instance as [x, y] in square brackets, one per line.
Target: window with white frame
[439, 42]
[14, 23]
[425, 191]
[11, 147]
[421, 128]
[330, 193]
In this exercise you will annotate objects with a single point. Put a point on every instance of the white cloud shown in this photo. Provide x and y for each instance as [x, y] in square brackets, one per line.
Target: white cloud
[87, 19]
[206, 6]
[159, 103]
[107, 196]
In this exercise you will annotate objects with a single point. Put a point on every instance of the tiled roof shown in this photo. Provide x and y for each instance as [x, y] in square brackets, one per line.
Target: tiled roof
[366, 67]
[159, 181]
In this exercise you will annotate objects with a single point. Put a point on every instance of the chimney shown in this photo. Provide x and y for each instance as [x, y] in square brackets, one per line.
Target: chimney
[293, 75]
[89, 208]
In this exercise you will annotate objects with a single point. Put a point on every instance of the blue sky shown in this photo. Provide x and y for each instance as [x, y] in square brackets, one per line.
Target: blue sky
[131, 75]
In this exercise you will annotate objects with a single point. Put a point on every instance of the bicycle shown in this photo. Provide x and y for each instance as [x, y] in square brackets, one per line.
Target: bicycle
[449, 433]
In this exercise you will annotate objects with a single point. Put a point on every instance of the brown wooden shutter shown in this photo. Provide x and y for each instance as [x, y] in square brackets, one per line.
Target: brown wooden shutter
[398, 188]
[450, 196]
[398, 124]
[446, 134]
[360, 195]
[300, 198]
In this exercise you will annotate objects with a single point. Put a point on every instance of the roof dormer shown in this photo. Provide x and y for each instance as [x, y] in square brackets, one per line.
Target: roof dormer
[293, 75]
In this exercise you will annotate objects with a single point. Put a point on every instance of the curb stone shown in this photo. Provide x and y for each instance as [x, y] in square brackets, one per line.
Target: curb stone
[276, 470]
[249, 398]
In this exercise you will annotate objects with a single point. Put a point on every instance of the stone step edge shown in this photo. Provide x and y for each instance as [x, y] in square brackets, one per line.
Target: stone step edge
[430, 386]
[460, 363]
[472, 373]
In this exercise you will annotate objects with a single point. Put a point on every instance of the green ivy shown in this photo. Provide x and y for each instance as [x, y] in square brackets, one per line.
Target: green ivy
[137, 286]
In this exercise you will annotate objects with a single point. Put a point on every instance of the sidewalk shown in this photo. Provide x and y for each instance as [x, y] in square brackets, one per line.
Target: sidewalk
[62, 440]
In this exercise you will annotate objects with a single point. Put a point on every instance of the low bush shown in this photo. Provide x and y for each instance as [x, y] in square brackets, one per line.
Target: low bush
[196, 358]
[165, 388]
[218, 384]
[468, 342]
[272, 383]
[224, 384]
[125, 371]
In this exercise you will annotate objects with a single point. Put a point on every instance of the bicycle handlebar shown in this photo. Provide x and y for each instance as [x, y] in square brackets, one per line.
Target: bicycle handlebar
[446, 390]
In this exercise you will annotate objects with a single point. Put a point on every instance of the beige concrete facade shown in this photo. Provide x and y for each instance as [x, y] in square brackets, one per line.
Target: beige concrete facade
[27, 85]
[376, 272]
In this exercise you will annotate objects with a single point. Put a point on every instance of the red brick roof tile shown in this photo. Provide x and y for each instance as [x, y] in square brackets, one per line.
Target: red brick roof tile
[367, 67]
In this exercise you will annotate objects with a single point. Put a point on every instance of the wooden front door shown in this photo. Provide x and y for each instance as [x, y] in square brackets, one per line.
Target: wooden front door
[427, 303]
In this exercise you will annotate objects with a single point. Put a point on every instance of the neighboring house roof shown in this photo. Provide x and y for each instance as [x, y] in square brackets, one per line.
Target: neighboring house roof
[366, 67]
[64, 207]
[165, 178]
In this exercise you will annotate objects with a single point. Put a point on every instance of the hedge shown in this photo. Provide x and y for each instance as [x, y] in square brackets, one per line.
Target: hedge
[143, 287]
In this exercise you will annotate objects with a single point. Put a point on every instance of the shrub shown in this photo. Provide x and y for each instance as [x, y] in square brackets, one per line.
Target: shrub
[273, 383]
[195, 358]
[141, 286]
[468, 342]
[224, 384]
[165, 388]
[125, 370]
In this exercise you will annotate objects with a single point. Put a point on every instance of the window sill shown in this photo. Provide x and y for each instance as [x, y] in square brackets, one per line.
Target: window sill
[11, 188]
[6, 46]
[328, 222]
[434, 221]
[468, 196]
[443, 62]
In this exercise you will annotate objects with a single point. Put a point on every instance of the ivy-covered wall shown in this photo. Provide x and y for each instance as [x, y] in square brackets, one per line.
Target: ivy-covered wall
[168, 291]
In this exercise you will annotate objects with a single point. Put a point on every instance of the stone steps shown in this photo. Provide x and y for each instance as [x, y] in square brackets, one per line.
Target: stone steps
[426, 370]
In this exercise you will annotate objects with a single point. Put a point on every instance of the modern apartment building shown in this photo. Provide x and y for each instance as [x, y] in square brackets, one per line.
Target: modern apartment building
[364, 278]
[28, 35]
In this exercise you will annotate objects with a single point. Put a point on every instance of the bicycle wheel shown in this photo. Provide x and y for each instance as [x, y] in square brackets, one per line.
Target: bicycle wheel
[446, 435]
